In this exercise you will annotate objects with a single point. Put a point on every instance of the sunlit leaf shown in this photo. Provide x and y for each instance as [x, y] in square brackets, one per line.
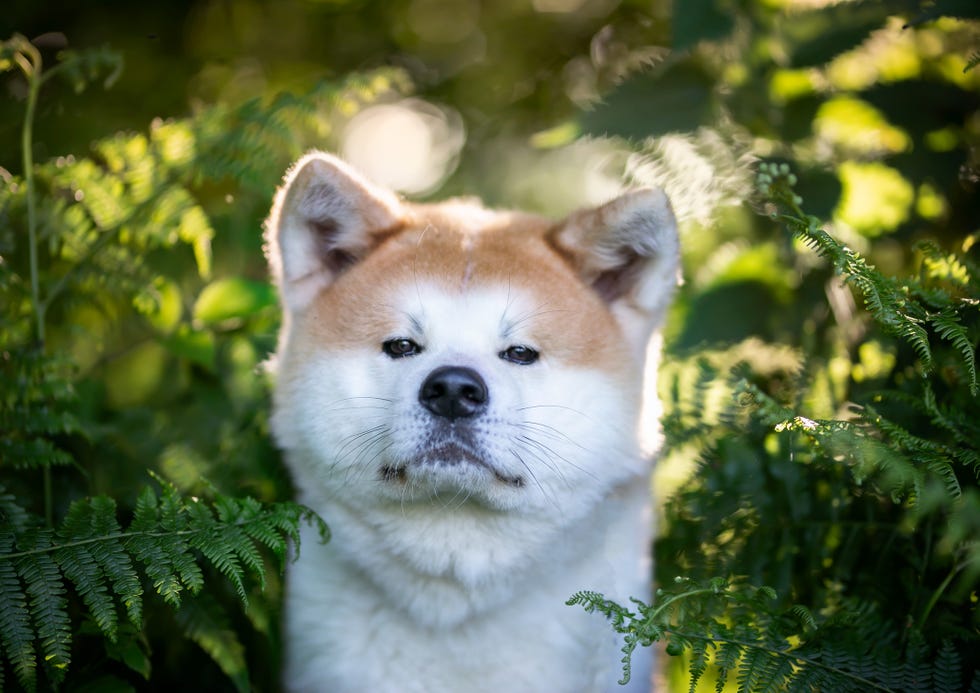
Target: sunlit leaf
[196, 230]
[876, 199]
[857, 127]
[162, 305]
[233, 297]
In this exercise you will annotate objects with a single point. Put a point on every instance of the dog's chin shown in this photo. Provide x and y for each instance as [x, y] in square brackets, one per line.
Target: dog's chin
[449, 470]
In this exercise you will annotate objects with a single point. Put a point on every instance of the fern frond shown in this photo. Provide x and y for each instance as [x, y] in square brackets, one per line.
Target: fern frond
[804, 616]
[13, 518]
[911, 331]
[755, 668]
[947, 324]
[80, 568]
[901, 310]
[916, 671]
[35, 408]
[84, 561]
[242, 543]
[727, 659]
[16, 633]
[946, 670]
[204, 621]
[113, 560]
[782, 672]
[47, 600]
[972, 61]
[964, 429]
[702, 616]
[151, 549]
[170, 536]
[699, 663]
[219, 547]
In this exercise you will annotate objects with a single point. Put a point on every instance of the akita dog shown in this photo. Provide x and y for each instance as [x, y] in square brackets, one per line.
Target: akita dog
[458, 395]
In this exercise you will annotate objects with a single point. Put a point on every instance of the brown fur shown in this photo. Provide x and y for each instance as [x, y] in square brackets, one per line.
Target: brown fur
[447, 248]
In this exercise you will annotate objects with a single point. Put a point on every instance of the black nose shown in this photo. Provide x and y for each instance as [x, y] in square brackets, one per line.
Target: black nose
[454, 392]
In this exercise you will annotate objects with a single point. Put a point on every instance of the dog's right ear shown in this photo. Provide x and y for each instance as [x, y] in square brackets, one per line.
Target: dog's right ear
[325, 217]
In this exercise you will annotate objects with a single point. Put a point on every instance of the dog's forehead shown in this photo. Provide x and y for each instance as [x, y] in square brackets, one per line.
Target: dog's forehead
[456, 271]
[467, 247]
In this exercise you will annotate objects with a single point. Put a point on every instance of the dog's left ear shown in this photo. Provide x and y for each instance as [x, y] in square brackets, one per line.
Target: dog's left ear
[325, 217]
[628, 251]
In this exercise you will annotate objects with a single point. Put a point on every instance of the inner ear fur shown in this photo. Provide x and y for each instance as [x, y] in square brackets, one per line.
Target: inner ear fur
[626, 249]
[324, 218]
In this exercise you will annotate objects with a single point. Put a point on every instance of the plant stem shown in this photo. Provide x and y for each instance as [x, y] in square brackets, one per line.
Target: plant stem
[32, 72]
[26, 142]
[934, 597]
[665, 604]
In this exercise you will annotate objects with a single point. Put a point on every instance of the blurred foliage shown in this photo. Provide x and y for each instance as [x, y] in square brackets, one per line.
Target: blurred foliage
[864, 520]
[118, 345]
[821, 432]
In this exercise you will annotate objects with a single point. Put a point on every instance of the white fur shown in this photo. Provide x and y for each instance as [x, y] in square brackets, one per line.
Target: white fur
[453, 577]
[455, 582]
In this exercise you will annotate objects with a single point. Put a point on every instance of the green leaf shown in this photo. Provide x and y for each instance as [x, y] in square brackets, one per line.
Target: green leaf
[231, 298]
[197, 346]
[204, 621]
[47, 601]
[80, 567]
[16, 633]
[118, 567]
[653, 103]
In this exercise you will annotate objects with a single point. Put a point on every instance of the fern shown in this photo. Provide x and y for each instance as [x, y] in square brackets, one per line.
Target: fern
[169, 537]
[34, 411]
[948, 325]
[204, 621]
[879, 486]
[902, 309]
[763, 653]
[83, 231]
[972, 61]
[141, 192]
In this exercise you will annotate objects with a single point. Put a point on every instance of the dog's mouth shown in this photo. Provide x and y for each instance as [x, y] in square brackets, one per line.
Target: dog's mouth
[447, 460]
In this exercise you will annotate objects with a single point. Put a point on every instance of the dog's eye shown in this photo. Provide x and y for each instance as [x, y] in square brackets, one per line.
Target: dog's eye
[519, 354]
[397, 348]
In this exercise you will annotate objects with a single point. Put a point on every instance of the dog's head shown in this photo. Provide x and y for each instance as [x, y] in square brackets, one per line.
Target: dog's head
[454, 353]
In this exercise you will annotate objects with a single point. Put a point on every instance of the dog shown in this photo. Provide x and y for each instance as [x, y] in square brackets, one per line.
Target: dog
[458, 392]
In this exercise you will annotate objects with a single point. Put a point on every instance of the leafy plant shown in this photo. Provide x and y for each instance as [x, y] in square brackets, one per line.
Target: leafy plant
[78, 251]
[168, 537]
[732, 627]
[896, 481]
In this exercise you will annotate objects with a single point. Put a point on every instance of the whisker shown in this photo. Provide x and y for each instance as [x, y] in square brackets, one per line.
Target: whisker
[549, 496]
[356, 440]
[344, 404]
[548, 451]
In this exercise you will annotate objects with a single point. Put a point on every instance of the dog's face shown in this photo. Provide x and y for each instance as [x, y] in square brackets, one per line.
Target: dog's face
[452, 354]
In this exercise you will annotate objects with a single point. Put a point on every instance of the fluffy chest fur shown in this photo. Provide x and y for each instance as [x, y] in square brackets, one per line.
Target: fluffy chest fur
[458, 395]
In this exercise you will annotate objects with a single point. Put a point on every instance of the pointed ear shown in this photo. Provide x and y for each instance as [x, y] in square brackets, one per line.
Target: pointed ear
[628, 251]
[325, 217]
